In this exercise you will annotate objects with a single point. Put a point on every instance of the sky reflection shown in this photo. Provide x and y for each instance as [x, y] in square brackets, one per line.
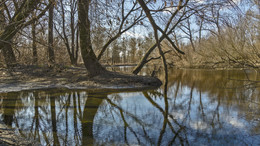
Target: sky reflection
[202, 108]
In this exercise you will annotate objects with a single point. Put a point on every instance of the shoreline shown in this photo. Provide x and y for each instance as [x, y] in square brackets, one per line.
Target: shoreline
[26, 78]
[9, 137]
[36, 78]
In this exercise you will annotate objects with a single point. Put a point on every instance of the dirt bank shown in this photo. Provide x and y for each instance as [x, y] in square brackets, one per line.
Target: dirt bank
[8, 137]
[33, 77]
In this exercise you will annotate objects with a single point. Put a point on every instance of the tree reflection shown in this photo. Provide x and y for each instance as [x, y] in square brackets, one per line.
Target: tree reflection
[166, 121]
[8, 106]
[54, 121]
[197, 109]
[222, 98]
[90, 110]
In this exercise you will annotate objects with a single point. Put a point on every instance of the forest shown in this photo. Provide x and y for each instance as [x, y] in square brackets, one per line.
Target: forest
[184, 33]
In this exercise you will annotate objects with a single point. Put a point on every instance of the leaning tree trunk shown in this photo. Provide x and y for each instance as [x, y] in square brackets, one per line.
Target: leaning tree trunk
[90, 60]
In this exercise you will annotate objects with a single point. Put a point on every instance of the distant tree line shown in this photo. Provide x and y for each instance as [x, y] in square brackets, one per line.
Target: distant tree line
[223, 40]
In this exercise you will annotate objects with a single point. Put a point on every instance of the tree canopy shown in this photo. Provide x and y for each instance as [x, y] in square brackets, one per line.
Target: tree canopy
[119, 31]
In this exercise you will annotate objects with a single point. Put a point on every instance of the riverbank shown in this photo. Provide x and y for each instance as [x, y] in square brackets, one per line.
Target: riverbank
[34, 77]
[8, 137]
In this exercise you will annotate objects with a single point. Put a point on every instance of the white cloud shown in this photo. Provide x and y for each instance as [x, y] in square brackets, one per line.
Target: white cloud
[132, 34]
[236, 123]
[178, 116]
[200, 125]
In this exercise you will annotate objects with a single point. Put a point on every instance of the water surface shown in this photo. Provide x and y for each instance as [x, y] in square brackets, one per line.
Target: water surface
[202, 107]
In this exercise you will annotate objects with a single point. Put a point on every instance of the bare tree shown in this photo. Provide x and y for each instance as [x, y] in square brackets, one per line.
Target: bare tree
[164, 32]
[89, 58]
[126, 20]
[69, 36]
[51, 58]
[17, 20]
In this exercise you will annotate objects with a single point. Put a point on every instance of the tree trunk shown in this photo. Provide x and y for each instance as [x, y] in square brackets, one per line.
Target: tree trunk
[35, 58]
[16, 24]
[8, 54]
[6, 45]
[72, 48]
[89, 58]
[143, 61]
[51, 58]
[72, 27]
[164, 35]
[156, 28]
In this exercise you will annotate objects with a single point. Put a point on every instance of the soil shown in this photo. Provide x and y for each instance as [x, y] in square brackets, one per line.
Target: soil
[8, 137]
[34, 77]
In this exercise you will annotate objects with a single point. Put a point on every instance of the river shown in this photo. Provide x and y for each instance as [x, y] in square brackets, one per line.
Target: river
[202, 107]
